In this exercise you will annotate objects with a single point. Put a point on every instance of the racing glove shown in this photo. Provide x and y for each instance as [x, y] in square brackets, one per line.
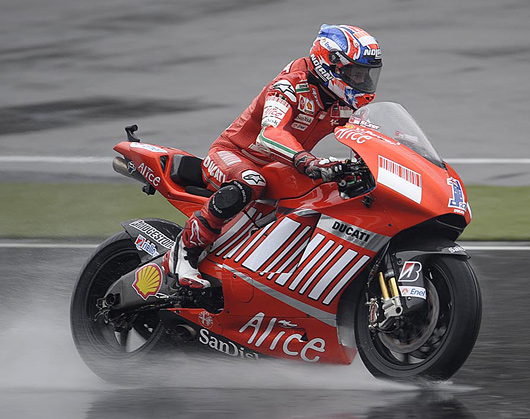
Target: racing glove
[316, 168]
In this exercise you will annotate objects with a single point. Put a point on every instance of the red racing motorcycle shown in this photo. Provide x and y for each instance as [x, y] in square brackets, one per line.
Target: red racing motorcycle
[313, 272]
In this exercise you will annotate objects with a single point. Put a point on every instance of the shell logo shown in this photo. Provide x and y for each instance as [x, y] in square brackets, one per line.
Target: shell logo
[148, 280]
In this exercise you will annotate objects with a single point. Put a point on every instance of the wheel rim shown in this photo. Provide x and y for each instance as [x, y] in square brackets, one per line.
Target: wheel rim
[102, 334]
[415, 343]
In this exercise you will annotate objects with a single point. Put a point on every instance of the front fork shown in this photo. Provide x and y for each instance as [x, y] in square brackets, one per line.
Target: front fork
[393, 300]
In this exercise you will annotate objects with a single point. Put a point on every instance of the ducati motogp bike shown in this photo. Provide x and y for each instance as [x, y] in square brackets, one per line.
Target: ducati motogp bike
[314, 272]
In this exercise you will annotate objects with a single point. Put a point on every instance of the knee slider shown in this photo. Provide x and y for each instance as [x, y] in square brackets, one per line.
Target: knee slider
[231, 198]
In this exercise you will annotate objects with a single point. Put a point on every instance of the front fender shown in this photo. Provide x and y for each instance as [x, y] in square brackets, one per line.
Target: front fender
[408, 256]
[420, 247]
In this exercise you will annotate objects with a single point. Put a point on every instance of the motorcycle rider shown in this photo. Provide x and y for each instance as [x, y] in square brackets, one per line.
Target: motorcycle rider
[302, 105]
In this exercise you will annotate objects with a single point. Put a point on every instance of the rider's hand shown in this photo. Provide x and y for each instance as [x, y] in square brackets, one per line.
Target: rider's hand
[316, 168]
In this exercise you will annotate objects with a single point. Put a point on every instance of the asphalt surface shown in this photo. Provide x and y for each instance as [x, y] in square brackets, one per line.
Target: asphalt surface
[74, 73]
[42, 375]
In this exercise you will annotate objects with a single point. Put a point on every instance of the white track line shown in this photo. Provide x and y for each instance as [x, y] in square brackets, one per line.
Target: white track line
[487, 161]
[508, 247]
[55, 159]
[29, 245]
[106, 160]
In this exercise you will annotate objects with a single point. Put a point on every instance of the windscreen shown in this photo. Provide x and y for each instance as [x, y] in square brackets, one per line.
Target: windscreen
[392, 120]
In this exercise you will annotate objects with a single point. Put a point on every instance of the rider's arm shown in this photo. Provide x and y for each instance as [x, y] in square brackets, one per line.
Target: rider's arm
[274, 139]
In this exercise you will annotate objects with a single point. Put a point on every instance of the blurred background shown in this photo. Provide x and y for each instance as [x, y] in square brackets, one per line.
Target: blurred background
[74, 73]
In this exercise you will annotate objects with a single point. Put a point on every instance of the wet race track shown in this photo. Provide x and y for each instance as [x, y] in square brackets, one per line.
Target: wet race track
[42, 375]
[74, 73]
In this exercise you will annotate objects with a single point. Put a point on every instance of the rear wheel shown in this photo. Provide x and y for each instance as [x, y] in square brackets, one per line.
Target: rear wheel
[436, 345]
[111, 348]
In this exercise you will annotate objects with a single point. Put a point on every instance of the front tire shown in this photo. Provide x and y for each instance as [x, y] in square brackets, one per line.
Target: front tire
[436, 346]
[111, 354]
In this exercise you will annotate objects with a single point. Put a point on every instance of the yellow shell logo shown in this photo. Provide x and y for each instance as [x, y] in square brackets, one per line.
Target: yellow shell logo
[148, 280]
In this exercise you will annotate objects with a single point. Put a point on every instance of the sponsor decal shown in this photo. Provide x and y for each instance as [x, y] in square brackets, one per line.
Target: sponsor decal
[291, 344]
[358, 121]
[286, 88]
[372, 52]
[304, 119]
[413, 292]
[352, 135]
[321, 71]
[148, 174]
[253, 178]
[153, 233]
[456, 249]
[314, 92]
[298, 126]
[302, 87]
[354, 234]
[142, 243]
[410, 272]
[333, 43]
[206, 319]
[399, 178]
[359, 135]
[149, 147]
[214, 170]
[148, 280]
[334, 122]
[131, 167]
[274, 111]
[457, 201]
[226, 347]
[339, 111]
[350, 231]
[306, 105]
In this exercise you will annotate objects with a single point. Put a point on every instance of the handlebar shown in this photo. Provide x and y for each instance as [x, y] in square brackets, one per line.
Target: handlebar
[355, 178]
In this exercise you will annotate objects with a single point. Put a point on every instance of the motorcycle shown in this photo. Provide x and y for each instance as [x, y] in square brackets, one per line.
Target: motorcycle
[313, 272]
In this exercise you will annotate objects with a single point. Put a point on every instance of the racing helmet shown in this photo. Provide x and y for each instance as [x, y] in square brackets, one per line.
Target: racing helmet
[347, 61]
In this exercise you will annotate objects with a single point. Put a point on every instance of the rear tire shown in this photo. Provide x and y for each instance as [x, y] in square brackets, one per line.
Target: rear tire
[437, 348]
[109, 354]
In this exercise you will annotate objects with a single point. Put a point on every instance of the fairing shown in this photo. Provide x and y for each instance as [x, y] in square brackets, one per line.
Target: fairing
[283, 278]
[414, 183]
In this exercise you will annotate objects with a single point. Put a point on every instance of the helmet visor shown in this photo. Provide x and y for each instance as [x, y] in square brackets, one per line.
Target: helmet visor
[361, 78]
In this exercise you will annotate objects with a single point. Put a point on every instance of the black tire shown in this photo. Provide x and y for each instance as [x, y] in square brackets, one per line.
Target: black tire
[109, 354]
[440, 345]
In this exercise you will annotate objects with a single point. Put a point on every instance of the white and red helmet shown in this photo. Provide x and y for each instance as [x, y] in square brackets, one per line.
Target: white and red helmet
[347, 61]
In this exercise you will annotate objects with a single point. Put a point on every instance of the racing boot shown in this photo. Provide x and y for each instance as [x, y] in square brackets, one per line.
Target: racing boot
[183, 259]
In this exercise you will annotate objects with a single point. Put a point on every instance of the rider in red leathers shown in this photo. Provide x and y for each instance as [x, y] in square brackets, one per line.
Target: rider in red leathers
[303, 104]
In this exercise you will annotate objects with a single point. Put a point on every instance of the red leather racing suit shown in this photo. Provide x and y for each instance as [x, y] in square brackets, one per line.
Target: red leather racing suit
[291, 114]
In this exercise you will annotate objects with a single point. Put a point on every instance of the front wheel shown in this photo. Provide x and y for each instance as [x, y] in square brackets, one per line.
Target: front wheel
[111, 348]
[435, 346]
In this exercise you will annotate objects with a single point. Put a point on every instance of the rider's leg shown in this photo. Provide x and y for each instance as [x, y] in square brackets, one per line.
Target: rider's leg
[203, 227]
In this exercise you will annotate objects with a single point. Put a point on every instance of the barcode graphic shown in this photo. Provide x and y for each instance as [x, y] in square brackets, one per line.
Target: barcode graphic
[397, 169]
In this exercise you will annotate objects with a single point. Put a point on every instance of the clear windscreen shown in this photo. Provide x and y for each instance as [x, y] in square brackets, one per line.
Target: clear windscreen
[393, 121]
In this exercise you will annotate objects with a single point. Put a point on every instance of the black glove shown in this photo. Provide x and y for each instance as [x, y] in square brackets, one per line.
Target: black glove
[316, 168]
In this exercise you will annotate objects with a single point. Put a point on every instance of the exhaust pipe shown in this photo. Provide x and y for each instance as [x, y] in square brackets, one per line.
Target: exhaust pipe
[127, 168]
[184, 332]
